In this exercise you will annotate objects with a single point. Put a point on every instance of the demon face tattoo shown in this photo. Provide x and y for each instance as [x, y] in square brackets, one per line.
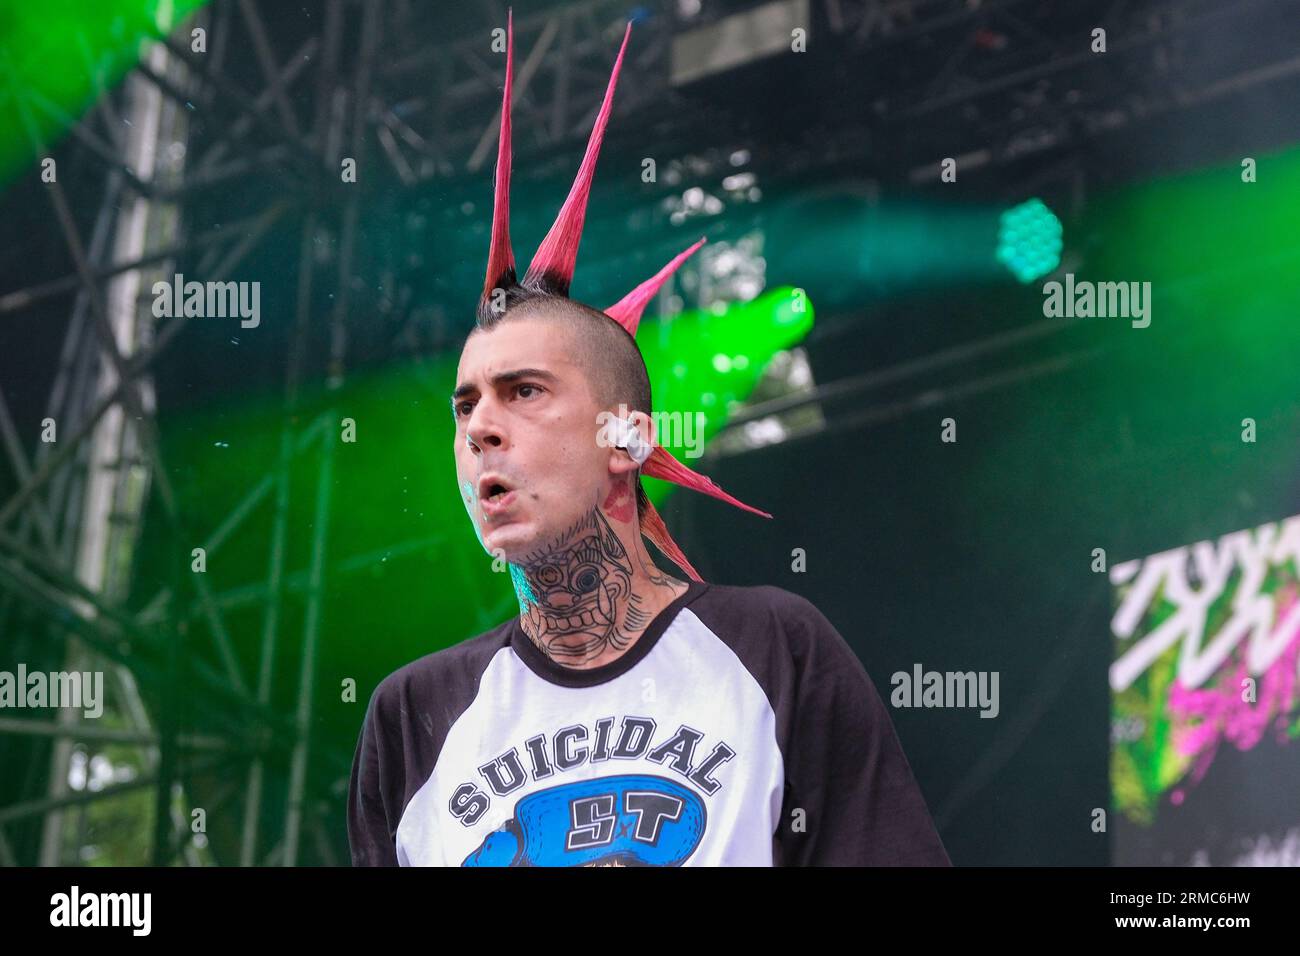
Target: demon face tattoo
[577, 586]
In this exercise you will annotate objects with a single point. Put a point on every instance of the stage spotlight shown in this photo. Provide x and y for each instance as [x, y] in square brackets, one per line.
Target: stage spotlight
[1029, 240]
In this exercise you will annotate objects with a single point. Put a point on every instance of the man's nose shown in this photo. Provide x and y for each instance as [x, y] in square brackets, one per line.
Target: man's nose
[484, 429]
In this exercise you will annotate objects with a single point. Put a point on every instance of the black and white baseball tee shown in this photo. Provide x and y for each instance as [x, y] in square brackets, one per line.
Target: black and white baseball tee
[738, 730]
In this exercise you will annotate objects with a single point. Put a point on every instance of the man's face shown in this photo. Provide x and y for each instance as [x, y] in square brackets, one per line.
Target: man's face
[533, 420]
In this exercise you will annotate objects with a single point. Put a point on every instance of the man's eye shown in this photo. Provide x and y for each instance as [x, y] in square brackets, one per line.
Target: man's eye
[535, 388]
[462, 409]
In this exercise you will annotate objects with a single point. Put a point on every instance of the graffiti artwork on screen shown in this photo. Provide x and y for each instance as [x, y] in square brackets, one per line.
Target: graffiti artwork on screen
[1207, 642]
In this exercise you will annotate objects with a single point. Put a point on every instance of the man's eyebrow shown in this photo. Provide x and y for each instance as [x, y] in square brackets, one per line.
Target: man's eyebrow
[503, 378]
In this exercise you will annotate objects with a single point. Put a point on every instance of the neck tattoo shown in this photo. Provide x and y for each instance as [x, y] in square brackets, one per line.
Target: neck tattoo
[576, 597]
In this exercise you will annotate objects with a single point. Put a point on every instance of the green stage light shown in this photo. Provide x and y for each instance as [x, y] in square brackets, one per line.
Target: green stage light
[53, 55]
[1029, 240]
[847, 250]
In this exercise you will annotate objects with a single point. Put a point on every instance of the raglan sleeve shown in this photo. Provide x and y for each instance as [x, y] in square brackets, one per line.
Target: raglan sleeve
[845, 768]
[372, 822]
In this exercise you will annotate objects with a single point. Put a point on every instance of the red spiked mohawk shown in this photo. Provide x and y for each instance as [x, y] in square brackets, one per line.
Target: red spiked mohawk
[551, 271]
[501, 258]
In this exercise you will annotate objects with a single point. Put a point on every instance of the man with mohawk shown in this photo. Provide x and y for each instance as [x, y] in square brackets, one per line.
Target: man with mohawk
[625, 717]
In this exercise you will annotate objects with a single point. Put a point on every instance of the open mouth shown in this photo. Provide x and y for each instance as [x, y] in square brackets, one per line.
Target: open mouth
[492, 490]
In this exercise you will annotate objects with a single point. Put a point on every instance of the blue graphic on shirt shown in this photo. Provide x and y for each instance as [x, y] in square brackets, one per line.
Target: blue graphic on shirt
[626, 820]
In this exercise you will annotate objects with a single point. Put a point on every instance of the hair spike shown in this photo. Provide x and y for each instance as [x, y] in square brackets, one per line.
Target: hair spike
[661, 464]
[554, 259]
[501, 258]
[627, 310]
[653, 527]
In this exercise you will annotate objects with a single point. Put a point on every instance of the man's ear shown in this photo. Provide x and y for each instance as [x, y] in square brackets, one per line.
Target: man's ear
[620, 462]
[645, 425]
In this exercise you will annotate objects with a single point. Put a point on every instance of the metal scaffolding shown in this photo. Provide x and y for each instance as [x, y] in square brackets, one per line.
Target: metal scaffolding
[69, 533]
